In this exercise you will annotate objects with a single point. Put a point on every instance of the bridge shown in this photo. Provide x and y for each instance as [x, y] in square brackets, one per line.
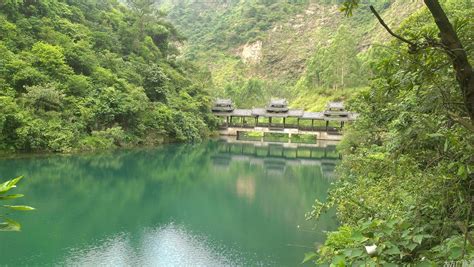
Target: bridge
[278, 119]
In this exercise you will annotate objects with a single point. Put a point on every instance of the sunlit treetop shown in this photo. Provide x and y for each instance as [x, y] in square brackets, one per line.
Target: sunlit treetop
[348, 6]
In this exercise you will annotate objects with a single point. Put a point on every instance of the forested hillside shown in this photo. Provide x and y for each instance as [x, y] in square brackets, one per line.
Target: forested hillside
[259, 49]
[94, 74]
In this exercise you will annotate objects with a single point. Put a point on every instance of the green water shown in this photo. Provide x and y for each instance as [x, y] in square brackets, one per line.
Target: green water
[211, 204]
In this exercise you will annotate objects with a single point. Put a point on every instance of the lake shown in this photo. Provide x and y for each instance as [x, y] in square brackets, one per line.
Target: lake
[217, 203]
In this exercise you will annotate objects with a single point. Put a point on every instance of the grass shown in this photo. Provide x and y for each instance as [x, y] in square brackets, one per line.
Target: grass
[317, 99]
[303, 138]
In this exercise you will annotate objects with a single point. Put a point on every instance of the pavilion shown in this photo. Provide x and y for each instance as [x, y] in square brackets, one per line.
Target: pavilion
[278, 109]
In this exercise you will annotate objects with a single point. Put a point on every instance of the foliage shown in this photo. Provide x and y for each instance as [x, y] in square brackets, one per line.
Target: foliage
[224, 24]
[247, 94]
[317, 99]
[7, 224]
[407, 171]
[84, 75]
[326, 49]
[336, 65]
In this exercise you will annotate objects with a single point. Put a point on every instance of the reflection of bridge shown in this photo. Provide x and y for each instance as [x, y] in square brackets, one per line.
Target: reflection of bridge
[278, 118]
[275, 157]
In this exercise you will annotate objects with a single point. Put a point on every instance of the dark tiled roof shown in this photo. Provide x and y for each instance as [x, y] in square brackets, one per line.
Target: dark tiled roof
[336, 114]
[223, 102]
[278, 102]
[335, 105]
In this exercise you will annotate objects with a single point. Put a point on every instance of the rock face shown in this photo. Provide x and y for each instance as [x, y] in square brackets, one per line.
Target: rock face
[252, 53]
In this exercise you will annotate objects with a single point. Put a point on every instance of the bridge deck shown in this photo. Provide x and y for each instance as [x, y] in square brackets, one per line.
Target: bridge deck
[281, 127]
[289, 132]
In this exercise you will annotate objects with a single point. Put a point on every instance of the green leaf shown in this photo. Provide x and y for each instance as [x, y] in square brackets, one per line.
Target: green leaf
[338, 260]
[9, 184]
[391, 223]
[358, 237]
[418, 239]
[9, 225]
[347, 252]
[357, 252]
[19, 207]
[455, 253]
[426, 264]
[393, 250]
[10, 196]
[435, 135]
[412, 246]
[451, 165]
[462, 171]
[309, 257]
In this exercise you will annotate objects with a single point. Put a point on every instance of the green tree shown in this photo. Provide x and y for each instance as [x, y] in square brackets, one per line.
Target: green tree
[448, 41]
[45, 97]
[335, 65]
[73, 73]
[406, 179]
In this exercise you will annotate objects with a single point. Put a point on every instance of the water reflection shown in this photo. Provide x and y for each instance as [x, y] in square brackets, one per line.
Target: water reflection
[223, 203]
[168, 245]
[114, 251]
[245, 187]
[275, 157]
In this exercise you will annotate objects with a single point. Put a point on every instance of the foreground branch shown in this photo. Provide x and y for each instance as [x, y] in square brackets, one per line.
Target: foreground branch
[455, 49]
[451, 45]
[412, 44]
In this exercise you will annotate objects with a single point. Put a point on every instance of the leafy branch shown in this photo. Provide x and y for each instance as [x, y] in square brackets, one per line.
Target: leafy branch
[9, 224]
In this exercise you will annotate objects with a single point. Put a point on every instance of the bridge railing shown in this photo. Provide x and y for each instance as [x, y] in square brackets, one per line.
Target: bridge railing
[281, 126]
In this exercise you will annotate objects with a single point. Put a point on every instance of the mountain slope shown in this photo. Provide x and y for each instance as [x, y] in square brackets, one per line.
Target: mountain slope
[238, 41]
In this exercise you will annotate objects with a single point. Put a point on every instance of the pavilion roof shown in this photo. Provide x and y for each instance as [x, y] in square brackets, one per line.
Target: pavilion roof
[278, 102]
[335, 105]
[223, 102]
[278, 108]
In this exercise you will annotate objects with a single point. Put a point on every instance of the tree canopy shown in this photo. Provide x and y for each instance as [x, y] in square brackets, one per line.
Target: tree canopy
[406, 178]
[87, 74]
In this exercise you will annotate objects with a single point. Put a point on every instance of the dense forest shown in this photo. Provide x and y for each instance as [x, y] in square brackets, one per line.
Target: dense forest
[405, 188]
[80, 75]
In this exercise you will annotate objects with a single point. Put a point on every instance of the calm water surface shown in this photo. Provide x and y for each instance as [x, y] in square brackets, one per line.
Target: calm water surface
[211, 204]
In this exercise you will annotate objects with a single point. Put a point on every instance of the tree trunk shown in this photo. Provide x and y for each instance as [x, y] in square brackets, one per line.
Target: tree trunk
[450, 39]
[342, 77]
